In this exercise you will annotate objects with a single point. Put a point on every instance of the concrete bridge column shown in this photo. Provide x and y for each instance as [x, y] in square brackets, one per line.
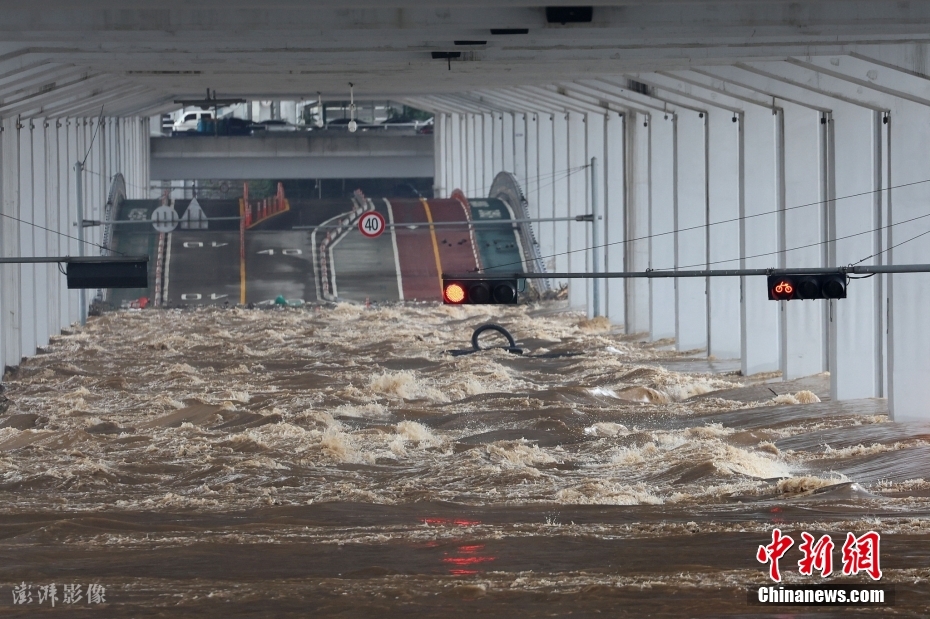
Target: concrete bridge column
[662, 224]
[457, 152]
[690, 225]
[40, 243]
[10, 274]
[74, 155]
[530, 183]
[507, 143]
[27, 291]
[578, 204]
[855, 344]
[805, 183]
[560, 192]
[470, 134]
[759, 240]
[440, 146]
[487, 152]
[519, 148]
[497, 130]
[636, 128]
[544, 185]
[595, 126]
[614, 209]
[908, 293]
[723, 250]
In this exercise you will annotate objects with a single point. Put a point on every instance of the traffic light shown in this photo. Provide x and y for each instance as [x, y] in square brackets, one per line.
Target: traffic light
[791, 287]
[479, 292]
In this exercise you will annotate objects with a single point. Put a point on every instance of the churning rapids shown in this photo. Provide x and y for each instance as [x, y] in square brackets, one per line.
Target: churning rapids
[340, 462]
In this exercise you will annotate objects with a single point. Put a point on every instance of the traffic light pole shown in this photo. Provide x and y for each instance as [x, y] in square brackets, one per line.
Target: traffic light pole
[649, 274]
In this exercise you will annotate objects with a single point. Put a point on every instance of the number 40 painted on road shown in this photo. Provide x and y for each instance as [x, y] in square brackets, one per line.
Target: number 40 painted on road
[371, 224]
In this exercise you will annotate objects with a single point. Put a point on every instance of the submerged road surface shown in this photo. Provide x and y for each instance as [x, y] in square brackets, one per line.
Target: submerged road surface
[340, 463]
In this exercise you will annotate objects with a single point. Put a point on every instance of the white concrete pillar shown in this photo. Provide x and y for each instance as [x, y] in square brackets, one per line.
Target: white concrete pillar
[545, 189]
[530, 183]
[759, 239]
[855, 343]
[64, 220]
[595, 126]
[27, 291]
[638, 209]
[662, 225]
[802, 322]
[10, 274]
[469, 139]
[74, 155]
[560, 193]
[519, 148]
[39, 217]
[507, 144]
[723, 189]
[909, 293]
[578, 204]
[487, 154]
[691, 229]
[55, 278]
[440, 186]
[456, 153]
[497, 132]
[613, 206]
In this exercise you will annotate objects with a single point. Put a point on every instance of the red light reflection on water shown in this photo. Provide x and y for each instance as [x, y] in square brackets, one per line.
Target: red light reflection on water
[466, 555]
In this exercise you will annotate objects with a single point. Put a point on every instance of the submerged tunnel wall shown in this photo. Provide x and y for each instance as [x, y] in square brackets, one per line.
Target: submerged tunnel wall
[806, 162]
[38, 185]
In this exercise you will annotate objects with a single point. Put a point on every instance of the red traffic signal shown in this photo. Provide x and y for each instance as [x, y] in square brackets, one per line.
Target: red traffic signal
[480, 292]
[792, 286]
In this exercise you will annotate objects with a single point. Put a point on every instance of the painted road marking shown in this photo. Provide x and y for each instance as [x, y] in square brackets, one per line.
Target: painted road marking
[400, 282]
[432, 234]
[191, 244]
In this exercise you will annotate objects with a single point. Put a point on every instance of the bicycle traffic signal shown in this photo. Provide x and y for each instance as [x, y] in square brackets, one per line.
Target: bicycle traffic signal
[479, 292]
[791, 287]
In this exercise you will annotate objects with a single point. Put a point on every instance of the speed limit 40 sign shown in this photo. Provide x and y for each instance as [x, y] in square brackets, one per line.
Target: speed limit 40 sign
[371, 224]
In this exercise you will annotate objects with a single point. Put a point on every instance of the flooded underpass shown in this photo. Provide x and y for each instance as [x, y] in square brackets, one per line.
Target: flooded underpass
[339, 461]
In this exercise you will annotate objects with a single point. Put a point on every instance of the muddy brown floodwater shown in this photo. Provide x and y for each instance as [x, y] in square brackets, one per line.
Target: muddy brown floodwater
[339, 462]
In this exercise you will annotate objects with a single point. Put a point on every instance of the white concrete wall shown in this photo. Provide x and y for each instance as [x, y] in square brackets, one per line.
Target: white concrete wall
[38, 186]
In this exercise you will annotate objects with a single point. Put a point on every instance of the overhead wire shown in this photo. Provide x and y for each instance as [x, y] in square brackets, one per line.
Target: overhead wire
[29, 223]
[733, 220]
[781, 251]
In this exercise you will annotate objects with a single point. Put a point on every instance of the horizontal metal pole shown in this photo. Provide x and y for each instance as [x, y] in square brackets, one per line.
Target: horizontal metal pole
[69, 259]
[121, 222]
[438, 224]
[855, 270]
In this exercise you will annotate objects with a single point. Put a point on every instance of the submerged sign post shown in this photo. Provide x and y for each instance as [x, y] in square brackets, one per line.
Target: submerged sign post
[371, 224]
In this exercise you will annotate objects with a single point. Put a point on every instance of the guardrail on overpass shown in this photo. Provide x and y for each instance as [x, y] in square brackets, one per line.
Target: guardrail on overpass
[292, 155]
